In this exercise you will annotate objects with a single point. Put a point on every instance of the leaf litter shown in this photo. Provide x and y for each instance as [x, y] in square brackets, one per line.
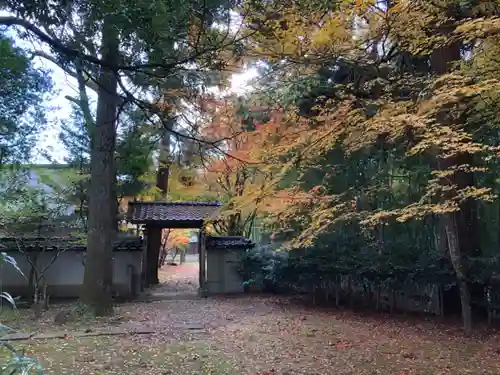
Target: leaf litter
[260, 335]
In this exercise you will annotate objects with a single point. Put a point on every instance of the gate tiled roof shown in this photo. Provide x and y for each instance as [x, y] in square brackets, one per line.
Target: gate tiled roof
[59, 244]
[161, 212]
[229, 242]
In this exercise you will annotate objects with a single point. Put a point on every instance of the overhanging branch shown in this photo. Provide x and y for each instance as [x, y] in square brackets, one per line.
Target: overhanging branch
[89, 83]
[72, 53]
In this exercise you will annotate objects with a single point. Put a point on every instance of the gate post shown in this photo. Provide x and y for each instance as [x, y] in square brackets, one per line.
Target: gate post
[202, 255]
[144, 283]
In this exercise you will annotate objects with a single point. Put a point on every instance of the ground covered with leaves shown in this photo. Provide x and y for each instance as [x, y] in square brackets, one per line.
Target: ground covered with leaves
[257, 335]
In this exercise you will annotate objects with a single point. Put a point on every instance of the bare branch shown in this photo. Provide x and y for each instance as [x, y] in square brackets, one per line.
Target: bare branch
[89, 83]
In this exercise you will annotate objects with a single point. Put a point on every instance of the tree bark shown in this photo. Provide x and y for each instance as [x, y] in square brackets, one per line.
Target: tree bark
[156, 236]
[461, 234]
[153, 255]
[164, 161]
[98, 276]
[162, 179]
[456, 260]
[461, 227]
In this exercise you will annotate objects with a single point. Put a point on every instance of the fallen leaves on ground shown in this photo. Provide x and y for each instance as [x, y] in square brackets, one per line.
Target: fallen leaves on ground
[266, 335]
[106, 355]
[181, 278]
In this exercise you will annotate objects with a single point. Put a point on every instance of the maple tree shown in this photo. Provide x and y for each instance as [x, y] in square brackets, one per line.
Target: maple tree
[387, 137]
[230, 168]
[178, 238]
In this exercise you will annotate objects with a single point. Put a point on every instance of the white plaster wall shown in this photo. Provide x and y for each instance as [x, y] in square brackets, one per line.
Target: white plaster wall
[215, 271]
[222, 275]
[232, 280]
[65, 276]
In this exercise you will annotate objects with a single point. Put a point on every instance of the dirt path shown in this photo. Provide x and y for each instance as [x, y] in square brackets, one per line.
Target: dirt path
[181, 279]
[267, 334]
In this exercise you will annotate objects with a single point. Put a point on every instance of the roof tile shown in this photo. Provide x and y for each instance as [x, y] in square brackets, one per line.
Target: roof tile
[59, 244]
[229, 242]
[141, 212]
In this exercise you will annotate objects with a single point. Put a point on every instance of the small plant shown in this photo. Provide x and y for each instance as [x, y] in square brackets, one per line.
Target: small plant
[17, 363]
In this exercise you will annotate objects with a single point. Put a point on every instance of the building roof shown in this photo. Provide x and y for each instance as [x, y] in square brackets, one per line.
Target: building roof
[58, 244]
[228, 242]
[171, 214]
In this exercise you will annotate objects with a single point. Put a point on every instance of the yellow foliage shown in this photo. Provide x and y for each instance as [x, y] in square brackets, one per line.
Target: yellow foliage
[433, 124]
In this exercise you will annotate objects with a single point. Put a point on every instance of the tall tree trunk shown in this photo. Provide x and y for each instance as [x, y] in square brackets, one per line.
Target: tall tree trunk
[98, 276]
[461, 227]
[461, 234]
[162, 184]
[164, 161]
[456, 260]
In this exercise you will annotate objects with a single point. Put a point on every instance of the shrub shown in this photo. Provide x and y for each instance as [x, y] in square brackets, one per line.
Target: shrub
[17, 363]
[264, 268]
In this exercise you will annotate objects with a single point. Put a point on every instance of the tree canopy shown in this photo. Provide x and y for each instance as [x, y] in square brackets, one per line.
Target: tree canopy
[23, 89]
[368, 147]
[379, 136]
